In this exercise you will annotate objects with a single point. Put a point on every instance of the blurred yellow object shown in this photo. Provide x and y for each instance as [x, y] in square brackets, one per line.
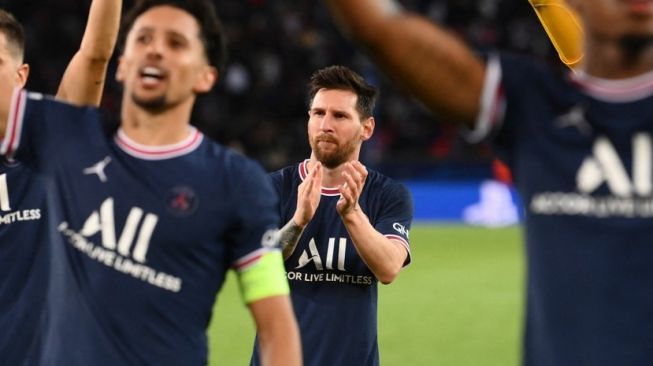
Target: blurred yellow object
[562, 25]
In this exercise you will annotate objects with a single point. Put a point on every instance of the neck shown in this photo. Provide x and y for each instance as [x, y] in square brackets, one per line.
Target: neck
[154, 128]
[623, 58]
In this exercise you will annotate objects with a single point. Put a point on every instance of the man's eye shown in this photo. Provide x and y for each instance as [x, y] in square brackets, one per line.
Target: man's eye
[176, 43]
[143, 38]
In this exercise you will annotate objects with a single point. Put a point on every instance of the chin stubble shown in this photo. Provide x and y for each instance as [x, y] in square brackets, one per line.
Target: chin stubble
[153, 105]
[634, 46]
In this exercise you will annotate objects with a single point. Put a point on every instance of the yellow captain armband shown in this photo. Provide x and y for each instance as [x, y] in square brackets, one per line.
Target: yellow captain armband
[265, 278]
[563, 28]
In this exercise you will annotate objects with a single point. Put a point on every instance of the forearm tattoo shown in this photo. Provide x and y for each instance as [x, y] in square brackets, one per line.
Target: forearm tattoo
[289, 237]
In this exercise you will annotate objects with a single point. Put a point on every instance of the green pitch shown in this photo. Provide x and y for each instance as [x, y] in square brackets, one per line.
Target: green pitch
[458, 304]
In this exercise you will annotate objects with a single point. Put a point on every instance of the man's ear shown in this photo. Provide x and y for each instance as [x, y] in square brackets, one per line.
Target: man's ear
[22, 73]
[206, 80]
[368, 128]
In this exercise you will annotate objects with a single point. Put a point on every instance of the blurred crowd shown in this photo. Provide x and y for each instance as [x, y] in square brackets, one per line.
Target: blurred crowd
[259, 105]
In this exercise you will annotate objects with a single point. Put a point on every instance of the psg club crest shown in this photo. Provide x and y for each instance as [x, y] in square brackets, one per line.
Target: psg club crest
[182, 201]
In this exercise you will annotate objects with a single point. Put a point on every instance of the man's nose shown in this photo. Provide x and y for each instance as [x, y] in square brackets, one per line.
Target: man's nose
[155, 48]
[326, 123]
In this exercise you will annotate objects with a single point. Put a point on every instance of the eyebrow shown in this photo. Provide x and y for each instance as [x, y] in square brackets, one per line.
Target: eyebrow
[333, 110]
[168, 32]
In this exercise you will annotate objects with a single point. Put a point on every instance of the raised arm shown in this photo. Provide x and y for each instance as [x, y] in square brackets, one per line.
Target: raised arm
[425, 59]
[383, 256]
[83, 80]
[308, 198]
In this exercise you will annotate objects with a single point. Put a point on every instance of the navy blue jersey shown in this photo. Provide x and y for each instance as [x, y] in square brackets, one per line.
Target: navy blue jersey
[334, 293]
[141, 236]
[23, 264]
[580, 151]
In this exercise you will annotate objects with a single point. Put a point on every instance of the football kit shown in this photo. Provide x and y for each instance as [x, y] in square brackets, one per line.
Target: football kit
[141, 236]
[23, 261]
[334, 293]
[579, 149]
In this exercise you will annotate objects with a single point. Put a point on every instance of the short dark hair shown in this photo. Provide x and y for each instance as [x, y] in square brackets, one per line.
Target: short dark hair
[14, 34]
[343, 78]
[211, 30]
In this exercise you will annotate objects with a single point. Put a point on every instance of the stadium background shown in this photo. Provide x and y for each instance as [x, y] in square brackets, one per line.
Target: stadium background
[460, 302]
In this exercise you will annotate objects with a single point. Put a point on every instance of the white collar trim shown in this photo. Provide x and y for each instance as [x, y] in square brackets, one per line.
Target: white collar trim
[161, 152]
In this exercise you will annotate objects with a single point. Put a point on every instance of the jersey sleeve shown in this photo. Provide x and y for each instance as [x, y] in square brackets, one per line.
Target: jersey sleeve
[40, 129]
[254, 239]
[256, 218]
[23, 133]
[492, 103]
[510, 94]
[396, 215]
[276, 178]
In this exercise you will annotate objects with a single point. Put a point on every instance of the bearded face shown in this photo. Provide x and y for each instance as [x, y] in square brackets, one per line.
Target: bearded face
[335, 128]
[331, 152]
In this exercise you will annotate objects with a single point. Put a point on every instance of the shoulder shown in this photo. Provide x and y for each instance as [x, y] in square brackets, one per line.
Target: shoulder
[523, 76]
[528, 83]
[53, 115]
[287, 174]
[228, 168]
[227, 160]
[380, 180]
[49, 114]
[49, 103]
[388, 188]
[286, 179]
[385, 198]
[529, 65]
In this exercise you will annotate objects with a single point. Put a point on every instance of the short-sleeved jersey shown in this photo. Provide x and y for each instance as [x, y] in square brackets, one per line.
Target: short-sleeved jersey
[23, 263]
[141, 236]
[580, 152]
[334, 293]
